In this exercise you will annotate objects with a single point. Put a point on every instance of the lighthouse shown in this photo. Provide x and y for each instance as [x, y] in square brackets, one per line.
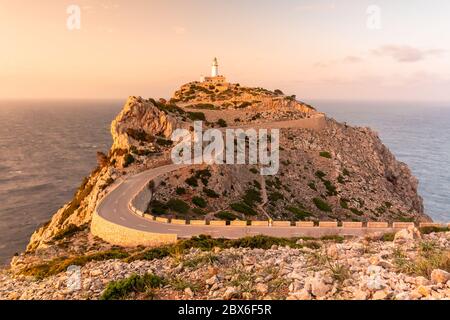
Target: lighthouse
[215, 68]
[215, 78]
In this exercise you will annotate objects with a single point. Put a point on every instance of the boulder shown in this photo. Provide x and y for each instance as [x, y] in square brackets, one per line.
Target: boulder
[319, 288]
[405, 235]
[230, 293]
[440, 276]
[262, 288]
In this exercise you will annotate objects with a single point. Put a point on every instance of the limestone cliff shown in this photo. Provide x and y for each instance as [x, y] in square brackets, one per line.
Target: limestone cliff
[339, 172]
[141, 127]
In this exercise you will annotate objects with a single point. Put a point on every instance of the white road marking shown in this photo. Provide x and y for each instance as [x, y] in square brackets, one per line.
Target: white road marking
[174, 229]
[122, 218]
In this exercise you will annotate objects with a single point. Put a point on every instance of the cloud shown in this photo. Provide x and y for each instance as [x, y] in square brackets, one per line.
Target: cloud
[179, 30]
[345, 60]
[405, 53]
[352, 59]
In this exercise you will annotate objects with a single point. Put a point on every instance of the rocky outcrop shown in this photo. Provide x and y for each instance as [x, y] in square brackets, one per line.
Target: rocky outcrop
[336, 173]
[142, 117]
[75, 214]
[138, 125]
[358, 269]
[347, 168]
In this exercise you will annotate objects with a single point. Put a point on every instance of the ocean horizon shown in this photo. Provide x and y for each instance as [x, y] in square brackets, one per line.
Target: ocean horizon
[48, 146]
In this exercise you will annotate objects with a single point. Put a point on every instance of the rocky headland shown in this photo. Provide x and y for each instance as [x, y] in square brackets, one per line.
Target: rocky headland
[330, 171]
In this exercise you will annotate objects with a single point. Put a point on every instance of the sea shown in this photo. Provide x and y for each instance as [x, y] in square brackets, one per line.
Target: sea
[48, 147]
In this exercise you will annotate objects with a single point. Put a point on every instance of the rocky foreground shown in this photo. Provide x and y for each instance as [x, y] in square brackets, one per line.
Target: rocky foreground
[406, 266]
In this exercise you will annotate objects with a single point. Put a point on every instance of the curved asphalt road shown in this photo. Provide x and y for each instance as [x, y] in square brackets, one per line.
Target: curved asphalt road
[114, 208]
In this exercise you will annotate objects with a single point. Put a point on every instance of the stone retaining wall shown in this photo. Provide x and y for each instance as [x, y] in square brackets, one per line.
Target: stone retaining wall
[126, 237]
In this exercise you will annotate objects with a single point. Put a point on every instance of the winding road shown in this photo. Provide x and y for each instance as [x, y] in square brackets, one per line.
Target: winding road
[114, 207]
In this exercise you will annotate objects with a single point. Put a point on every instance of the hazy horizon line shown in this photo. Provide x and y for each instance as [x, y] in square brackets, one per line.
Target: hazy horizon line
[305, 100]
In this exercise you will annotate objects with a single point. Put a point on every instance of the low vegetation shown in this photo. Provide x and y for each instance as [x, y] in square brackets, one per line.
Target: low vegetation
[178, 205]
[242, 207]
[322, 205]
[121, 289]
[210, 193]
[127, 160]
[428, 230]
[429, 257]
[199, 202]
[69, 231]
[325, 154]
[225, 215]
[59, 265]
[197, 116]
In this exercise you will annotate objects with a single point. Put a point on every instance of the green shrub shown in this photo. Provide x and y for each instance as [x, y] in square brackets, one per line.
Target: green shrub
[299, 213]
[121, 289]
[192, 181]
[325, 154]
[197, 116]
[344, 203]
[83, 191]
[388, 237]
[225, 215]
[356, 211]
[210, 193]
[203, 175]
[127, 160]
[275, 196]
[254, 170]
[320, 174]
[257, 184]
[312, 185]
[69, 231]
[222, 123]
[58, 265]
[164, 142]
[158, 208]
[428, 230]
[331, 189]
[252, 196]
[140, 135]
[341, 179]
[180, 191]
[150, 254]
[322, 205]
[178, 205]
[278, 92]
[243, 208]
[199, 202]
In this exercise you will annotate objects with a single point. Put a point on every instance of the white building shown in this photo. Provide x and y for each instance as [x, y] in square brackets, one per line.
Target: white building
[215, 77]
[215, 68]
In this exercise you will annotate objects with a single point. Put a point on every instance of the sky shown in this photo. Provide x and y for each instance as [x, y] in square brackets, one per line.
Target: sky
[316, 49]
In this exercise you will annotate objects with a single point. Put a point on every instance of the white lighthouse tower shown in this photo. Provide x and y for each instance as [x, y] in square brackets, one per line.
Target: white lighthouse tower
[215, 68]
[215, 78]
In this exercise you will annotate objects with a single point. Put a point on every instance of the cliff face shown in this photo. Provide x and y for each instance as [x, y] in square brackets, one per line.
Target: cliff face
[140, 127]
[140, 116]
[339, 172]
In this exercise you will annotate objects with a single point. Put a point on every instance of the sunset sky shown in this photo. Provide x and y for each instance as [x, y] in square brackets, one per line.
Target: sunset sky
[317, 49]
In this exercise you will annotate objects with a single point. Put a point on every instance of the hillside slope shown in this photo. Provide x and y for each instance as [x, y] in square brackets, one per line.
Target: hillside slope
[337, 172]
